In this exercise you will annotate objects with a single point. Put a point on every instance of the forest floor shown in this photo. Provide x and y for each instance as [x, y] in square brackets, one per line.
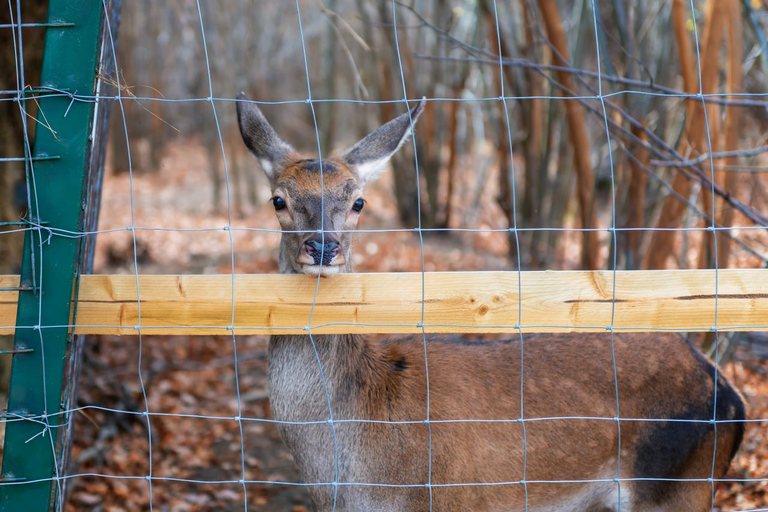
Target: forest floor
[192, 380]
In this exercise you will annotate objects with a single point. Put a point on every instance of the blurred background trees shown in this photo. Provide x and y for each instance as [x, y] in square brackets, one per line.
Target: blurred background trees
[451, 51]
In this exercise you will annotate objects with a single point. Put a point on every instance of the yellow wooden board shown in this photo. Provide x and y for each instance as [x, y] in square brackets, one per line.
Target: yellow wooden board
[8, 303]
[453, 302]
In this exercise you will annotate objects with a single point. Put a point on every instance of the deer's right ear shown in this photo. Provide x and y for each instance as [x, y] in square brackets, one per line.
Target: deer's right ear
[260, 137]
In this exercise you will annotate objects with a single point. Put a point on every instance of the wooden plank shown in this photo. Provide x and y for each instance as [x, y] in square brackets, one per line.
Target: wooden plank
[455, 302]
[8, 303]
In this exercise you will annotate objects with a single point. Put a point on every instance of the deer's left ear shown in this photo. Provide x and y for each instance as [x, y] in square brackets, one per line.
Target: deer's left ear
[369, 156]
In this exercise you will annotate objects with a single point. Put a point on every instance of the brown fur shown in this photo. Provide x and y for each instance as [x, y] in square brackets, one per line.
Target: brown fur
[452, 419]
[565, 376]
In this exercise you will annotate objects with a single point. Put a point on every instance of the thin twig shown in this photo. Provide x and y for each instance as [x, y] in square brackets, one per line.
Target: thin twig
[715, 156]
[650, 85]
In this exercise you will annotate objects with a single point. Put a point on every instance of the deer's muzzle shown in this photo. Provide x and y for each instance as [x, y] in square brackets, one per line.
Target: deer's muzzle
[322, 253]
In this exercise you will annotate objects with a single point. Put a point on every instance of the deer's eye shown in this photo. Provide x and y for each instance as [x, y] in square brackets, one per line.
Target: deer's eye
[358, 205]
[278, 203]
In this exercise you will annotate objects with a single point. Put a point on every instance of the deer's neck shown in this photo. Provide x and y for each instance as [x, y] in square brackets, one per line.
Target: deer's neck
[305, 372]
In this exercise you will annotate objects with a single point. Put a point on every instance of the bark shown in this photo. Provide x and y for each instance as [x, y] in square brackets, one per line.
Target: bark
[690, 80]
[405, 177]
[503, 155]
[662, 242]
[534, 170]
[577, 135]
[453, 114]
[732, 119]
[327, 121]
[504, 150]
[636, 199]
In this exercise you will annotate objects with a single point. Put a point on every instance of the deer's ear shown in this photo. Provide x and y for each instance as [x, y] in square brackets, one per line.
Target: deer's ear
[260, 137]
[369, 156]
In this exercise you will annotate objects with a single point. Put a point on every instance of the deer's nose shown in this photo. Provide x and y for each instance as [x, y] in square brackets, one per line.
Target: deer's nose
[322, 253]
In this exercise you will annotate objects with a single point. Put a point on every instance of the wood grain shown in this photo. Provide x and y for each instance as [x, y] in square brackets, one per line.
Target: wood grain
[454, 302]
[8, 303]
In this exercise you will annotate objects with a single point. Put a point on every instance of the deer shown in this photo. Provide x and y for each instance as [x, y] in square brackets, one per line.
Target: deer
[353, 410]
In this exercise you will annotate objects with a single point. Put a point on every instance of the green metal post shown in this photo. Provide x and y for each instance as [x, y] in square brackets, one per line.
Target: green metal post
[58, 201]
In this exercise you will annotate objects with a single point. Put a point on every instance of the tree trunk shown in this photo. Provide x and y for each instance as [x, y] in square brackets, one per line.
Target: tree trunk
[534, 170]
[732, 121]
[636, 199]
[577, 135]
[327, 124]
[662, 241]
[406, 191]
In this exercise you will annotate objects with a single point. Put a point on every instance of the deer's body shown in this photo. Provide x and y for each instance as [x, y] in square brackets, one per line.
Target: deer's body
[568, 464]
[566, 376]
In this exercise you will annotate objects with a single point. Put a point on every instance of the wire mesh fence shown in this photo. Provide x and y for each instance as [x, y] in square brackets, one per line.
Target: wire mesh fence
[649, 178]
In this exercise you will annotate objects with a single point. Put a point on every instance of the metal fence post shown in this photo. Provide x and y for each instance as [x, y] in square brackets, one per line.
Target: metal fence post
[62, 198]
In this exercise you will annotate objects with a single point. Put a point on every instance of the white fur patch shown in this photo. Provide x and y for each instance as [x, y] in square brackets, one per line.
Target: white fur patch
[324, 270]
[369, 171]
[611, 501]
[266, 164]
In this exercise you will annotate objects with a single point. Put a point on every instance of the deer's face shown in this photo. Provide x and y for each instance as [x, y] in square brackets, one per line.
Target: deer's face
[317, 204]
[316, 221]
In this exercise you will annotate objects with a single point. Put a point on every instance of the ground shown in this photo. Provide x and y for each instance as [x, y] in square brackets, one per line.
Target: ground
[195, 376]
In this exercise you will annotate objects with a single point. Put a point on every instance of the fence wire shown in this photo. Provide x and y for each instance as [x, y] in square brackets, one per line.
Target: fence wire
[36, 225]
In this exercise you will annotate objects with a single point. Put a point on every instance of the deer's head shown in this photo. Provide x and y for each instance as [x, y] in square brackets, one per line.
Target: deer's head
[310, 195]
